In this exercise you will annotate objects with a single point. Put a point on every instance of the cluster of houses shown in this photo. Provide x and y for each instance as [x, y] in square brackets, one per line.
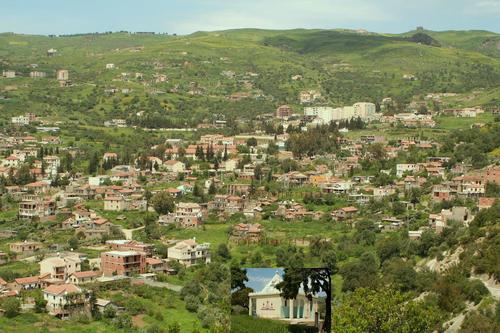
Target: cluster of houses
[320, 115]
[120, 191]
[237, 180]
[63, 281]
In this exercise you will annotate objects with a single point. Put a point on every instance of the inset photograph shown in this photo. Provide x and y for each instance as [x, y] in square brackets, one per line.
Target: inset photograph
[280, 300]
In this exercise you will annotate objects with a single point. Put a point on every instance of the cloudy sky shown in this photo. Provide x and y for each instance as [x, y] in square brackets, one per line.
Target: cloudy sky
[259, 277]
[187, 16]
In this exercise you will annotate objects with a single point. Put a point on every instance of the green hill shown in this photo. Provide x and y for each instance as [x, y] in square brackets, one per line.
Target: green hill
[481, 41]
[205, 68]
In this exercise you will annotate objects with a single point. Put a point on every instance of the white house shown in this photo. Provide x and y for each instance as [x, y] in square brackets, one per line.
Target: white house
[230, 165]
[268, 303]
[97, 180]
[409, 168]
[11, 162]
[64, 299]
[188, 252]
[174, 166]
[52, 164]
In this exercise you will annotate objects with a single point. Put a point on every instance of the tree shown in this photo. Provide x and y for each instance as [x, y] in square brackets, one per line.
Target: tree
[482, 320]
[11, 306]
[223, 251]
[197, 191]
[93, 163]
[147, 196]
[329, 260]
[252, 142]
[385, 311]
[225, 156]
[163, 203]
[212, 189]
[73, 243]
[238, 277]
[365, 232]
[23, 175]
[258, 172]
[388, 247]
[398, 208]
[422, 109]
[40, 304]
[312, 281]
[290, 256]
[377, 151]
[400, 273]
[192, 303]
[360, 273]
[150, 226]
[240, 297]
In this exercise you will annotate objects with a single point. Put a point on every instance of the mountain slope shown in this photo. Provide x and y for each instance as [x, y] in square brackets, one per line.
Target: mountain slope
[205, 68]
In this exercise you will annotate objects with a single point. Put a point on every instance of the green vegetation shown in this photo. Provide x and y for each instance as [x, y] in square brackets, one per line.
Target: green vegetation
[346, 67]
[244, 324]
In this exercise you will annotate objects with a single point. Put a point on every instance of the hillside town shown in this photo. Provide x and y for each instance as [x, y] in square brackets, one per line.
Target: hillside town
[417, 187]
[248, 180]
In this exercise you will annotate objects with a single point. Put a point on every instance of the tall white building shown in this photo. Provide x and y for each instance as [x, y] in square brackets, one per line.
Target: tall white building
[326, 114]
[364, 110]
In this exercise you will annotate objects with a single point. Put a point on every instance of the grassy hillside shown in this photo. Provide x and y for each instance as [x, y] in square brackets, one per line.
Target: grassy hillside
[205, 68]
[481, 41]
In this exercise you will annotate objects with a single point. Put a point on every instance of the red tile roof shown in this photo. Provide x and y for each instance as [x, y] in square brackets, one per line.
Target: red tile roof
[86, 274]
[62, 288]
[27, 280]
[153, 261]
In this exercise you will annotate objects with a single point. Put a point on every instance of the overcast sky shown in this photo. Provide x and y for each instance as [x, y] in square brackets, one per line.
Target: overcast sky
[187, 16]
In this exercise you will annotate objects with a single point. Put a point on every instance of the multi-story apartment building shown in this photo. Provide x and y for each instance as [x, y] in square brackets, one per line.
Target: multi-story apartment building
[36, 208]
[130, 245]
[125, 263]
[187, 215]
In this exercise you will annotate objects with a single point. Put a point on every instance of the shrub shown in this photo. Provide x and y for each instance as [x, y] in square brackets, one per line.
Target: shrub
[11, 306]
[475, 291]
[174, 328]
[192, 303]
